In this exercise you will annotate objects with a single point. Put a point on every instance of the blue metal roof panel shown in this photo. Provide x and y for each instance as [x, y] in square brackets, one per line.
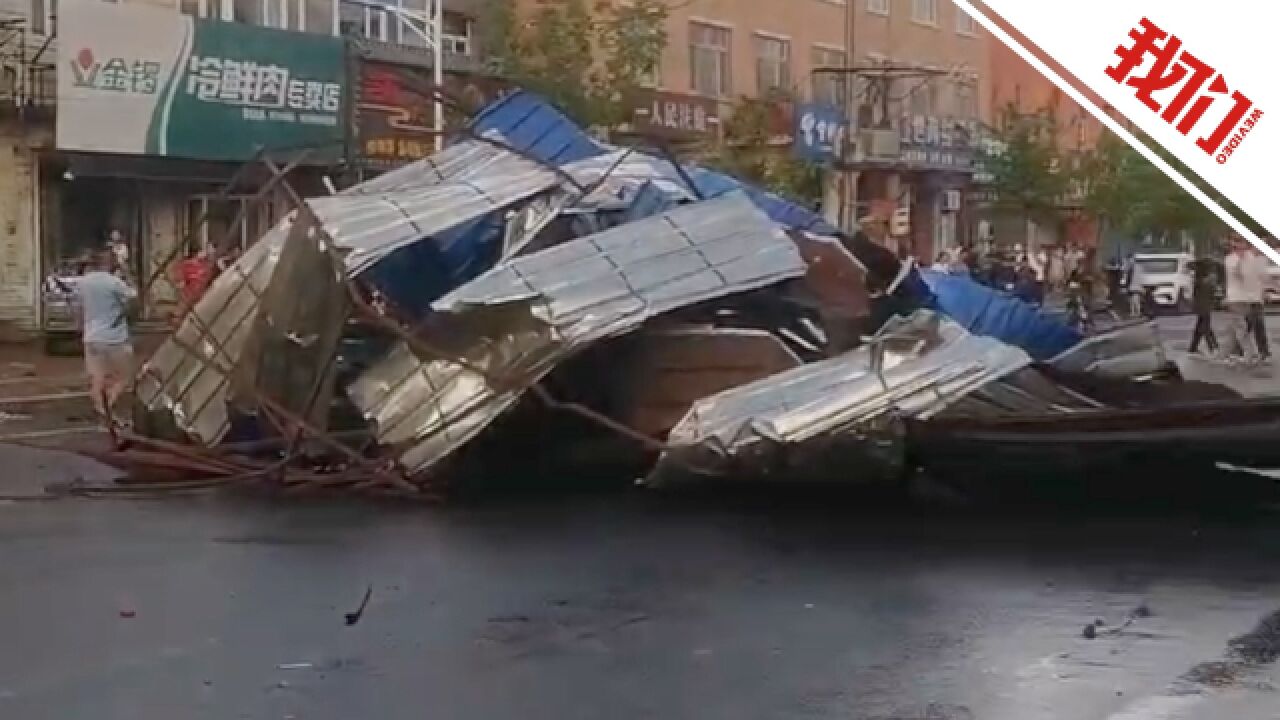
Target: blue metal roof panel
[535, 126]
[531, 124]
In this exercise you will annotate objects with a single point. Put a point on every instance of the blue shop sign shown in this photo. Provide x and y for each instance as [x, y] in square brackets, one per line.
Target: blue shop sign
[820, 132]
[938, 143]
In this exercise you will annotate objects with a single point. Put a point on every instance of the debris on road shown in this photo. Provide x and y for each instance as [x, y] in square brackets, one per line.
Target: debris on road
[548, 288]
[354, 617]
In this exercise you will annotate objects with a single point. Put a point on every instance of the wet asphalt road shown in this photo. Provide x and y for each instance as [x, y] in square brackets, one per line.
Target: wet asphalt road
[625, 607]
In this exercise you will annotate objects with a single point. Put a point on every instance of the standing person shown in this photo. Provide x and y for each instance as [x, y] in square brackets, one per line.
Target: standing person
[1056, 269]
[1245, 285]
[1115, 276]
[1258, 279]
[942, 263]
[103, 307]
[1133, 286]
[1038, 260]
[1203, 299]
[195, 273]
[119, 248]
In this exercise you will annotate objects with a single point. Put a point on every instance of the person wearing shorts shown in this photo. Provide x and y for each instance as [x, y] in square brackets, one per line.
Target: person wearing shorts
[104, 301]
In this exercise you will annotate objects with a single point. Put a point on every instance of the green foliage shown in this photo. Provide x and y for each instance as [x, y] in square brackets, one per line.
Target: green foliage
[746, 153]
[1029, 174]
[586, 60]
[1117, 185]
[1132, 195]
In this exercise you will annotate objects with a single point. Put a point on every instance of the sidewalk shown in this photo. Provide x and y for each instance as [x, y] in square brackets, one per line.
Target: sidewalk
[42, 398]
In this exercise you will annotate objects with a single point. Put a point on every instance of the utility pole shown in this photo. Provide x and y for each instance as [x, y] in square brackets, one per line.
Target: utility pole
[429, 27]
[843, 178]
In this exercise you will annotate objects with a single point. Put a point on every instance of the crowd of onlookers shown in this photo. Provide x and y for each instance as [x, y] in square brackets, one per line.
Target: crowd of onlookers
[1029, 276]
[1237, 284]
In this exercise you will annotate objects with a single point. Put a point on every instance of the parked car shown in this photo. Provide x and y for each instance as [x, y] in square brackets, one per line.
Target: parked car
[1167, 278]
[1273, 283]
[61, 333]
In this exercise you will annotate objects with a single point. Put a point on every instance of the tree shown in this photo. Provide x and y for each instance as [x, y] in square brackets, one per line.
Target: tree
[586, 60]
[1028, 173]
[748, 154]
[1130, 194]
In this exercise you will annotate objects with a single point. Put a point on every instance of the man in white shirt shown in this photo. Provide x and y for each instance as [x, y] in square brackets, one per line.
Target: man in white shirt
[103, 306]
[1246, 271]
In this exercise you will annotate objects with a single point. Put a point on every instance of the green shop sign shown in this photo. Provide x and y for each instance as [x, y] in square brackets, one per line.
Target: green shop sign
[193, 88]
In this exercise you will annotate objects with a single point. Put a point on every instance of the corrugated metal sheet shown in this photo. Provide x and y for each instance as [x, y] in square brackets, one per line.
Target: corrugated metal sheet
[782, 211]
[533, 125]
[187, 378]
[456, 162]
[372, 226]
[536, 127]
[521, 319]
[916, 367]
[1123, 352]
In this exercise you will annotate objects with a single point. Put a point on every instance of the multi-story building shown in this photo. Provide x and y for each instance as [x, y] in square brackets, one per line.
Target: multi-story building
[718, 50]
[26, 125]
[1018, 92]
[158, 104]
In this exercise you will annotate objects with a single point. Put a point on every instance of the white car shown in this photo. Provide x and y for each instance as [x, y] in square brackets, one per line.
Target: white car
[1168, 276]
[1273, 282]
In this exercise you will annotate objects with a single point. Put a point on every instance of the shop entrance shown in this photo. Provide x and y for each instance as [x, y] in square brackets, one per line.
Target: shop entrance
[80, 214]
[221, 214]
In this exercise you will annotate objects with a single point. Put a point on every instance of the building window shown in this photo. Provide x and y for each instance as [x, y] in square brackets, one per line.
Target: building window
[965, 24]
[829, 87]
[966, 105]
[225, 10]
[284, 14]
[216, 10]
[709, 59]
[878, 7]
[377, 24]
[925, 11]
[456, 32]
[38, 16]
[773, 64]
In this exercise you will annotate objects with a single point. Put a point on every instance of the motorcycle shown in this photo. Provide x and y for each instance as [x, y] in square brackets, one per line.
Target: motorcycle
[1079, 315]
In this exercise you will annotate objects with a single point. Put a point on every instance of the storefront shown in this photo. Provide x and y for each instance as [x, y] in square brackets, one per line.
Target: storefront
[684, 124]
[20, 142]
[928, 183]
[394, 111]
[156, 204]
[938, 155]
[151, 136]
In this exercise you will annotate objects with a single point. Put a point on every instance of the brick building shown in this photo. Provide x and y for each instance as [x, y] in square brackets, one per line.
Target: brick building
[1017, 87]
[722, 49]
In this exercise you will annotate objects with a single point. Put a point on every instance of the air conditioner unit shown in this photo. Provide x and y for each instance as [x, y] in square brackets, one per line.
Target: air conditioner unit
[880, 144]
[951, 201]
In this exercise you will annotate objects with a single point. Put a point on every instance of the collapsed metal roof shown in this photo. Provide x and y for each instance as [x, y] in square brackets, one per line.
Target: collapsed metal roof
[915, 367]
[534, 126]
[189, 376]
[372, 225]
[520, 319]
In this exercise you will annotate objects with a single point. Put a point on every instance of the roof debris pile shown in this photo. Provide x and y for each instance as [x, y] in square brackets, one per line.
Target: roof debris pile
[914, 367]
[373, 333]
[510, 326]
